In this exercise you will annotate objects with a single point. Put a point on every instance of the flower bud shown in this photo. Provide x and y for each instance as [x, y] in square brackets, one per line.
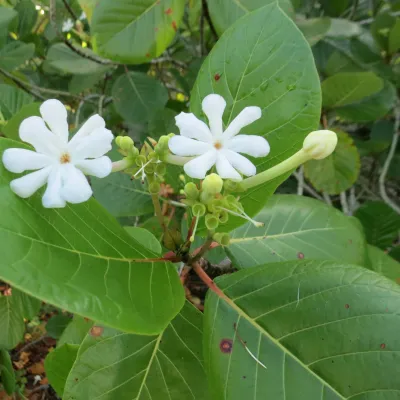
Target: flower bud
[222, 238]
[212, 184]
[199, 209]
[211, 222]
[124, 142]
[320, 144]
[191, 191]
[162, 146]
[154, 188]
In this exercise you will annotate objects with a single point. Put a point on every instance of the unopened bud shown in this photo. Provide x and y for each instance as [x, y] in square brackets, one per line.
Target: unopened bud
[191, 191]
[211, 222]
[212, 184]
[320, 144]
[124, 142]
[222, 238]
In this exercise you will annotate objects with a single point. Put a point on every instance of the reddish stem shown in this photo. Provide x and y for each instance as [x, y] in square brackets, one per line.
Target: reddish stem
[208, 281]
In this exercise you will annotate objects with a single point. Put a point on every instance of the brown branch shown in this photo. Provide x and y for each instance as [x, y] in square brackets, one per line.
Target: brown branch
[208, 281]
[70, 10]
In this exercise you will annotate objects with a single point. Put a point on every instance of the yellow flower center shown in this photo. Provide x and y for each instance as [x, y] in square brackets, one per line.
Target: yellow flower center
[65, 158]
[218, 145]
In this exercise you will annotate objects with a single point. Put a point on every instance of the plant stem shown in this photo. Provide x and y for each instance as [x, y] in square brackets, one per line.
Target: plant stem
[158, 211]
[176, 160]
[70, 10]
[203, 250]
[300, 181]
[209, 282]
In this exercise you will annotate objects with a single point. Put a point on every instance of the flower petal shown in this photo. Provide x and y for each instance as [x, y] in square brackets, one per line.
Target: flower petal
[33, 130]
[242, 164]
[252, 145]
[52, 196]
[20, 160]
[93, 123]
[213, 106]
[55, 115]
[198, 167]
[76, 188]
[225, 169]
[29, 184]
[183, 146]
[247, 116]
[100, 167]
[190, 126]
[94, 145]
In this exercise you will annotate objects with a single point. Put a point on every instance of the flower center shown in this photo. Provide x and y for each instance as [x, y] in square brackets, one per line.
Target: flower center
[65, 158]
[218, 145]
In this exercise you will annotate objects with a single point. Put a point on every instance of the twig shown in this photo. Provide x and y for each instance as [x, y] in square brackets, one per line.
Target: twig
[70, 10]
[31, 344]
[162, 59]
[208, 18]
[209, 282]
[389, 158]
[39, 388]
[344, 203]
[203, 250]
[20, 85]
[353, 10]
[79, 51]
[309, 189]
[300, 181]
[327, 198]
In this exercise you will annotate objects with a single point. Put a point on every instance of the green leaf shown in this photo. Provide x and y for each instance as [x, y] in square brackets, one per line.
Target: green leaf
[163, 123]
[349, 87]
[314, 29]
[323, 330]
[339, 171]
[12, 99]
[225, 13]
[334, 8]
[11, 322]
[80, 259]
[135, 32]
[117, 365]
[11, 129]
[146, 238]
[27, 16]
[76, 331]
[138, 97]
[273, 69]
[381, 223]
[394, 37]
[370, 108]
[338, 62]
[29, 306]
[7, 376]
[6, 16]
[58, 364]
[88, 6]
[343, 28]
[14, 54]
[79, 83]
[64, 60]
[297, 227]
[57, 324]
[380, 29]
[383, 264]
[121, 196]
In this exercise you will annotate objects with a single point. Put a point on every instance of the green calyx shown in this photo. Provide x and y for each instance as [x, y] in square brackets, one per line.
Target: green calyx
[222, 238]
[211, 221]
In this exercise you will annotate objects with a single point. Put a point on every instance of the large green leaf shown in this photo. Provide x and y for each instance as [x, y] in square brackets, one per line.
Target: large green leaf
[80, 259]
[383, 264]
[64, 60]
[14, 54]
[6, 16]
[29, 306]
[394, 37]
[381, 223]
[339, 171]
[27, 16]
[121, 196]
[342, 28]
[117, 365]
[273, 68]
[76, 331]
[138, 97]
[297, 227]
[322, 330]
[135, 31]
[314, 29]
[226, 12]
[7, 375]
[11, 322]
[349, 87]
[334, 8]
[12, 99]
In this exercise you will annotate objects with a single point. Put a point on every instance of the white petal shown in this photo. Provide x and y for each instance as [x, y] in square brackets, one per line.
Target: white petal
[198, 167]
[252, 145]
[76, 188]
[94, 145]
[52, 196]
[183, 146]
[247, 116]
[93, 123]
[55, 115]
[29, 184]
[225, 169]
[242, 164]
[20, 160]
[100, 167]
[213, 106]
[190, 126]
[34, 131]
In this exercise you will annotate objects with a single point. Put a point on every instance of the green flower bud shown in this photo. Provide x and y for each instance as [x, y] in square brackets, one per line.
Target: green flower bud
[211, 222]
[191, 191]
[198, 209]
[125, 142]
[162, 146]
[222, 238]
[161, 169]
[140, 160]
[133, 152]
[154, 188]
[320, 144]
[212, 184]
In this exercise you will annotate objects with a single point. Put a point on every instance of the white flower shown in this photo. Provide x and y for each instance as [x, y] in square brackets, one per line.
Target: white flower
[215, 146]
[67, 25]
[60, 163]
[82, 16]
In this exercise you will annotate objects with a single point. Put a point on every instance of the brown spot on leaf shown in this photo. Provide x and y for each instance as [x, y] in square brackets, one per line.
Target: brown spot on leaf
[383, 346]
[350, 241]
[226, 346]
[96, 331]
[174, 26]
[217, 77]
[169, 11]
[347, 306]
[300, 255]
[148, 55]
